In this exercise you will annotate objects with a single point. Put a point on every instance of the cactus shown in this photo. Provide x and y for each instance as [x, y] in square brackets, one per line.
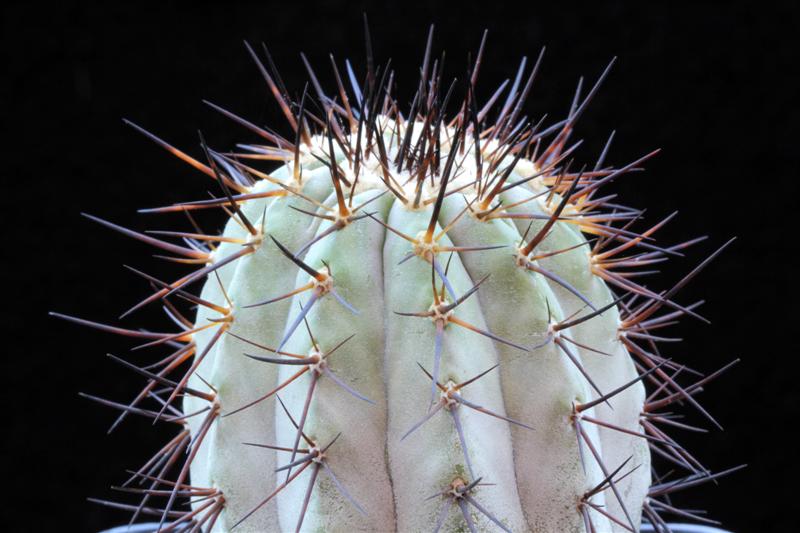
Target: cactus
[410, 322]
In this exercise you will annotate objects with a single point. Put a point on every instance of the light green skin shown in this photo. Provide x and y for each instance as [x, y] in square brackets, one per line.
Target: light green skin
[609, 372]
[537, 474]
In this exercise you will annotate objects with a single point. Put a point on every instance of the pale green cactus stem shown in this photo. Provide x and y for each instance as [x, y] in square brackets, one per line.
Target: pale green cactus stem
[374, 274]
[411, 323]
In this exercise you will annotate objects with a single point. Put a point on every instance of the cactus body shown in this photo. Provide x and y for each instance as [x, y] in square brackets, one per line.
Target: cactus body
[403, 327]
[536, 472]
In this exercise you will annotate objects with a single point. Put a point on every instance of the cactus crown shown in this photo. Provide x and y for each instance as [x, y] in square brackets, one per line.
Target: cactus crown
[403, 317]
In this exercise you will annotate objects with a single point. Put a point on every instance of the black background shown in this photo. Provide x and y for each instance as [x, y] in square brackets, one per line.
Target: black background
[714, 86]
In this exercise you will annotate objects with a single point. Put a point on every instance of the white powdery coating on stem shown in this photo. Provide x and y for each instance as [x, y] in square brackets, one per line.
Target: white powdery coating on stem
[608, 371]
[358, 457]
[212, 292]
[537, 475]
[427, 461]
[539, 386]
[239, 380]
